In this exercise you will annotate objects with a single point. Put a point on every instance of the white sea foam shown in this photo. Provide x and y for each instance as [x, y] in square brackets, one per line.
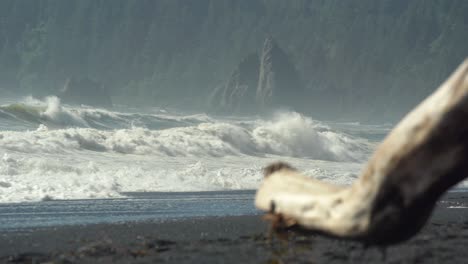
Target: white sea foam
[68, 152]
[44, 177]
[30, 112]
[288, 135]
[295, 135]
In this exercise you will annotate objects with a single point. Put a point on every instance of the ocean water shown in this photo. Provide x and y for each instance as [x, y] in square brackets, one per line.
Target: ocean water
[155, 207]
[57, 161]
[50, 151]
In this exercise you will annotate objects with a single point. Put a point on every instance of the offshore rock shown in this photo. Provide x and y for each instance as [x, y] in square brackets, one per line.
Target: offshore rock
[279, 82]
[237, 95]
[259, 84]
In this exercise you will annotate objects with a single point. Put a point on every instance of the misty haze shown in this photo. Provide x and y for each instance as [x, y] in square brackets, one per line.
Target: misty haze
[132, 111]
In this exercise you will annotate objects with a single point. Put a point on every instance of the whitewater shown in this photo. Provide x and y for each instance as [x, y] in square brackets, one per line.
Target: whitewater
[51, 151]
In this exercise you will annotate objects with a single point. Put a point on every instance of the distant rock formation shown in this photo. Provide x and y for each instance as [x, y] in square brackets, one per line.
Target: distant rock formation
[260, 83]
[237, 95]
[85, 91]
[279, 83]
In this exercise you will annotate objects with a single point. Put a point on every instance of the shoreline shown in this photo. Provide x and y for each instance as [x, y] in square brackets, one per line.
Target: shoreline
[231, 239]
[136, 207]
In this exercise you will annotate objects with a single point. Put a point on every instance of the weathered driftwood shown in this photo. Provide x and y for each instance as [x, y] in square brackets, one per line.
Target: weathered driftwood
[424, 155]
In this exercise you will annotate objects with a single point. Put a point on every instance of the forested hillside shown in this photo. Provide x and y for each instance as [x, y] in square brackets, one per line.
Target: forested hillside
[366, 59]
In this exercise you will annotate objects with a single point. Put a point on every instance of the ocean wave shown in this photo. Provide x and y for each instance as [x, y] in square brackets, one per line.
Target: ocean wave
[292, 134]
[36, 178]
[287, 135]
[86, 153]
[31, 112]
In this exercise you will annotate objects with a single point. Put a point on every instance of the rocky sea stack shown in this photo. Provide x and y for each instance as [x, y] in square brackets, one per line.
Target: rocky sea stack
[279, 82]
[260, 83]
[238, 93]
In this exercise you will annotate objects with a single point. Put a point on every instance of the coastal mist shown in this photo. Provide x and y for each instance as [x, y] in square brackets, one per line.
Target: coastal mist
[210, 131]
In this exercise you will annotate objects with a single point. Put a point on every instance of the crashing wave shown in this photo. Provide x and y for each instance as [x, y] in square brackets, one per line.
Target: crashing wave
[288, 135]
[76, 152]
[31, 112]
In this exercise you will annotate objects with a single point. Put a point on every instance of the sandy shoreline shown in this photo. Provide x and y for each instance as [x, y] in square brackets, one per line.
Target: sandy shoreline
[233, 239]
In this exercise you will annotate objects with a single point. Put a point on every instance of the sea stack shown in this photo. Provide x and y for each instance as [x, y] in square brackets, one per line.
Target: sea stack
[279, 83]
[261, 83]
[237, 95]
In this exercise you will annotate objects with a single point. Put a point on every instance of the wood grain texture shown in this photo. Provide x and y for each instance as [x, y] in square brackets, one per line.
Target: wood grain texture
[423, 156]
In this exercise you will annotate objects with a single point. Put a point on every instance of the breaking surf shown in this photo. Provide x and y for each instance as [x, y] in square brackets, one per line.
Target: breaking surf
[55, 151]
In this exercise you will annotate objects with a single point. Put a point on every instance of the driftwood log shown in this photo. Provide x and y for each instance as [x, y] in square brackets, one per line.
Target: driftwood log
[420, 159]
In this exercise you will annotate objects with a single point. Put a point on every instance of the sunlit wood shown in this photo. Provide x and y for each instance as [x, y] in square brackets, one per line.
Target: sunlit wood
[423, 156]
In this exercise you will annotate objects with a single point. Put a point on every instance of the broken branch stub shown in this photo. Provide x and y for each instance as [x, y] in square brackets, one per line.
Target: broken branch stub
[421, 158]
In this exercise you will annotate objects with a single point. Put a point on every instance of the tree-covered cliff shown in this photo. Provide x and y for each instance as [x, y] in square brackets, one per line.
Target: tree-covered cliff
[362, 59]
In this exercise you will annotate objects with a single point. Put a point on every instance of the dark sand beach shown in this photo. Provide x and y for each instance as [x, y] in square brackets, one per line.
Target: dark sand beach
[233, 239]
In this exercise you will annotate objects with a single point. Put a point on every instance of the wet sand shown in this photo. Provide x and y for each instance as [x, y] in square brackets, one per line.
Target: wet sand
[236, 239]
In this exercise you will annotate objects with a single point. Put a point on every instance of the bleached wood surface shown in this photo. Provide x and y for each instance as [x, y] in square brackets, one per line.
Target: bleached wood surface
[421, 158]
